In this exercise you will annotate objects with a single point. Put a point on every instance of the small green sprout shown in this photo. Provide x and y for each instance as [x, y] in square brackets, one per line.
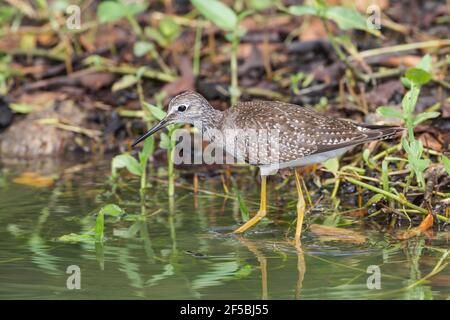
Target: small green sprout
[414, 78]
[227, 20]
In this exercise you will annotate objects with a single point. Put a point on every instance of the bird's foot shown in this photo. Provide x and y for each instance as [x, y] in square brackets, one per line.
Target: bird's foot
[250, 223]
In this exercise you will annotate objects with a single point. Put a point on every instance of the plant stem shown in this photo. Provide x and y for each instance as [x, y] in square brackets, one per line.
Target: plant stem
[404, 47]
[341, 55]
[197, 50]
[128, 69]
[336, 187]
[234, 70]
[135, 26]
[393, 196]
[143, 179]
[170, 172]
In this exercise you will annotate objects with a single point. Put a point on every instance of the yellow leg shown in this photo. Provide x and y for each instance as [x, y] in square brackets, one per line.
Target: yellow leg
[262, 209]
[300, 207]
[301, 268]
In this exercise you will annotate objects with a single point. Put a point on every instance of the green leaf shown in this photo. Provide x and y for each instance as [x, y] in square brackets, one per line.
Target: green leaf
[93, 60]
[243, 272]
[135, 8]
[126, 161]
[169, 28]
[112, 210]
[410, 100]
[425, 116]
[99, 227]
[75, 237]
[7, 13]
[348, 18]
[405, 145]
[332, 164]
[59, 5]
[416, 148]
[141, 48]
[21, 107]
[418, 76]
[165, 142]
[147, 150]
[140, 72]
[367, 160]
[261, 4]
[154, 34]
[425, 63]
[446, 162]
[302, 10]
[108, 11]
[218, 13]
[243, 207]
[390, 112]
[405, 81]
[376, 198]
[421, 164]
[124, 82]
[241, 16]
[155, 111]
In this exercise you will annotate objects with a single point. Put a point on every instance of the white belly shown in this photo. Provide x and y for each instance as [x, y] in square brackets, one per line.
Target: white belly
[267, 170]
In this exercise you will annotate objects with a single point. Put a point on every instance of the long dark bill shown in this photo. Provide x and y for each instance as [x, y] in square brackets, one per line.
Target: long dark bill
[156, 128]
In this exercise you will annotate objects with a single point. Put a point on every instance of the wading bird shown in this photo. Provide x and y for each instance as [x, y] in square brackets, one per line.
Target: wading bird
[303, 137]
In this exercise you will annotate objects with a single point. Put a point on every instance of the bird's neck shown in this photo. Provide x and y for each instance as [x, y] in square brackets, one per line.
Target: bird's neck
[211, 119]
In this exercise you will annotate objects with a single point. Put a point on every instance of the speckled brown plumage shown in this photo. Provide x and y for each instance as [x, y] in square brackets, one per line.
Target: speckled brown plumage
[303, 131]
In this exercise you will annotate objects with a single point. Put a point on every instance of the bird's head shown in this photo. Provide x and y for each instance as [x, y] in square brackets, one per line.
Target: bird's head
[188, 107]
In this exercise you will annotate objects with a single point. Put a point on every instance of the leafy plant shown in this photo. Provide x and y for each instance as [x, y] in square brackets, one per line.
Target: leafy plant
[109, 11]
[243, 207]
[227, 20]
[6, 73]
[415, 78]
[446, 162]
[137, 167]
[300, 78]
[166, 142]
[97, 233]
[167, 31]
[346, 18]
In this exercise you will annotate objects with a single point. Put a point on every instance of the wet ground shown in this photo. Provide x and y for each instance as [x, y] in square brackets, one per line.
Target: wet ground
[180, 248]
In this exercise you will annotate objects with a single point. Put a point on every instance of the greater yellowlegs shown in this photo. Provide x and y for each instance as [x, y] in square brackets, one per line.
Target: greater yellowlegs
[303, 137]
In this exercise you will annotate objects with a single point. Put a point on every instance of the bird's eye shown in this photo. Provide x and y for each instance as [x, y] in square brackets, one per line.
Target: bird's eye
[182, 108]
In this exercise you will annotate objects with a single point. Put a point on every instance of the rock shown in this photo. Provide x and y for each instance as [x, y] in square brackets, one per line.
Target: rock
[6, 115]
[28, 139]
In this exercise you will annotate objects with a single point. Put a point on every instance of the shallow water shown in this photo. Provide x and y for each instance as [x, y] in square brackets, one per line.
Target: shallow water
[180, 248]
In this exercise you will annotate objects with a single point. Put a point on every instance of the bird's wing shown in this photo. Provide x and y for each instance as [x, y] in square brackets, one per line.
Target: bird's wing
[301, 130]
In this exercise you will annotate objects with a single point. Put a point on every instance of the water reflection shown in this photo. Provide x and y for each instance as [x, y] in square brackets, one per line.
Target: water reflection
[180, 247]
[251, 246]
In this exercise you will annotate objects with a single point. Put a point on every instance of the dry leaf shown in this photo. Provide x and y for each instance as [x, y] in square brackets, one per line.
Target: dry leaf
[185, 83]
[422, 228]
[358, 213]
[313, 30]
[97, 80]
[34, 179]
[382, 94]
[408, 61]
[47, 39]
[430, 142]
[327, 233]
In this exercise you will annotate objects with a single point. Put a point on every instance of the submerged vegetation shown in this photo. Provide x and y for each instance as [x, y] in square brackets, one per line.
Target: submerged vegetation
[85, 82]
